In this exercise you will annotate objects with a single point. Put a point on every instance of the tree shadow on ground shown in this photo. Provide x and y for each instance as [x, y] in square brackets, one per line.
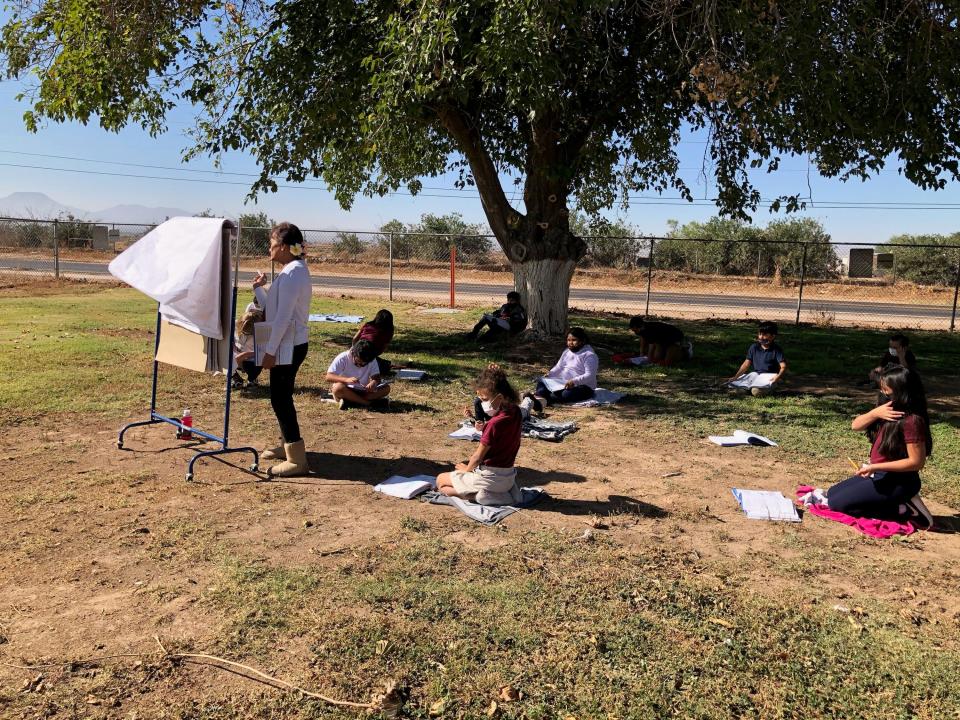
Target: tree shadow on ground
[370, 470]
[614, 505]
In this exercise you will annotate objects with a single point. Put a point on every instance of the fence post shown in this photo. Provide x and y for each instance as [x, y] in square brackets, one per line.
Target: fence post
[453, 274]
[56, 250]
[956, 291]
[803, 275]
[390, 264]
[646, 310]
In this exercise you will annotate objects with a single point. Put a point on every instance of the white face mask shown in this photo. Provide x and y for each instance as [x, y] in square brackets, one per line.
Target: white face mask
[488, 408]
[893, 351]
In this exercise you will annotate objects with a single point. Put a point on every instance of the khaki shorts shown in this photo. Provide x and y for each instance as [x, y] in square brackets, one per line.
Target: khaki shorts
[485, 477]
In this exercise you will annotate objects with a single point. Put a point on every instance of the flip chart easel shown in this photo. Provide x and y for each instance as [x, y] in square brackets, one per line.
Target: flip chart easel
[230, 235]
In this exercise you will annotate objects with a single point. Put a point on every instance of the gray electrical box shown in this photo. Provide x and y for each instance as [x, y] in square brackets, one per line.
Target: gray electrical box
[884, 261]
[861, 263]
[100, 239]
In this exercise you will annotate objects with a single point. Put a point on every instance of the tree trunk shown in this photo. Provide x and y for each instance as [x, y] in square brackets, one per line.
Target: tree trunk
[544, 285]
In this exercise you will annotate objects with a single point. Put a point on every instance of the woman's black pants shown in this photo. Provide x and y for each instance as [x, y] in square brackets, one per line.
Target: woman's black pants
[282, 378]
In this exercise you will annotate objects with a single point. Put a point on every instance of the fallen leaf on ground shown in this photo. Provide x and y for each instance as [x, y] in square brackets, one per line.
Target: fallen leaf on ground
[508, 693]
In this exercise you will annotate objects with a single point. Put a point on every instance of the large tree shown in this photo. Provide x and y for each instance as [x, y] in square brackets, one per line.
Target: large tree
[574, 100]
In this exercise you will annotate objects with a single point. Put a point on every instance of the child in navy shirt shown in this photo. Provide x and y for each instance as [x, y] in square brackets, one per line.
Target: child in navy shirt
[764, 356]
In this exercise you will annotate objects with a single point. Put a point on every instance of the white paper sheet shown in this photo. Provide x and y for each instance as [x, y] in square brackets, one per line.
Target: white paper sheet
[741, 437]
[766, 505]
[405, 487]
[552, 384]
[351, 319]
[407, 374]
[600, 397]
[465, 432]
[753, 380]
[179, 264]
[261, 336]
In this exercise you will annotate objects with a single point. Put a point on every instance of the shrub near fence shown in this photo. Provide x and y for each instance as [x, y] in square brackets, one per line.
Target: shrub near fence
[733, 276]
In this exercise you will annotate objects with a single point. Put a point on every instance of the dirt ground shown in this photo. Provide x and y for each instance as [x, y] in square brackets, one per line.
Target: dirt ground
[105, 548]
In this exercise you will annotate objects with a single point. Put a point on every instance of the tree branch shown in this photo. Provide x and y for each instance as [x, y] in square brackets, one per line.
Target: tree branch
[500, 215]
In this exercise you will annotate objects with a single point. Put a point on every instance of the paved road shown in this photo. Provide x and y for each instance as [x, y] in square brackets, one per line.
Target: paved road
[607, 296]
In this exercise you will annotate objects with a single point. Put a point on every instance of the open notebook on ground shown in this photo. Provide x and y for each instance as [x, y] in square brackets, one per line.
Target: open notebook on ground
[741, 437]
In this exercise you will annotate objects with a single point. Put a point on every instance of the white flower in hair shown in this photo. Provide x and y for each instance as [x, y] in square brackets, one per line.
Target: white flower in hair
[296, 249]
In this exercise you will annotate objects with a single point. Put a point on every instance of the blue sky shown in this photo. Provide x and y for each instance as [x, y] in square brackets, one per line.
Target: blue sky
[311, 206]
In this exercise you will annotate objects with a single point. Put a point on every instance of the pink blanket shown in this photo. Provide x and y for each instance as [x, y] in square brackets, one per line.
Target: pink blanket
[868, 526]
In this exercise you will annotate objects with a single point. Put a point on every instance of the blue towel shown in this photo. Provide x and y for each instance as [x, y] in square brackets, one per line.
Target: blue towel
[487, 514]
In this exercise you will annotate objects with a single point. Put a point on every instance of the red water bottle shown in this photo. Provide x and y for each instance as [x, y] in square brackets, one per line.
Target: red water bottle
[187, 422]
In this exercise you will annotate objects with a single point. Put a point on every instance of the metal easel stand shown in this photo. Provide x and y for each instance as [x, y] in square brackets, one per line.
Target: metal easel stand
[156, 418]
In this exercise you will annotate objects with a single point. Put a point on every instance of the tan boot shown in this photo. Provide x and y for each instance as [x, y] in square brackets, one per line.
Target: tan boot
[295, 464]
[274, 453]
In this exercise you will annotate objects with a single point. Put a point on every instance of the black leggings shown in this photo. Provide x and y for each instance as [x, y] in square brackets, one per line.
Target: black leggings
[878, 497]
[281, 394]
[251, 369]
[578, 393]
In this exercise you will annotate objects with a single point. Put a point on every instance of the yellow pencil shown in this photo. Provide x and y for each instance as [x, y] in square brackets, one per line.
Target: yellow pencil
[855, 466]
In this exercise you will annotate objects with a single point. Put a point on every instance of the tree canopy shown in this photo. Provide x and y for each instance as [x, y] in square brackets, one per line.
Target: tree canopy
[570, 99]
[926, 259]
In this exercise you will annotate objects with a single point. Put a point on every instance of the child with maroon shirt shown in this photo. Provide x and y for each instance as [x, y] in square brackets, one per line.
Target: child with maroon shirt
[379, 332]
[489, 477]
[888, 487]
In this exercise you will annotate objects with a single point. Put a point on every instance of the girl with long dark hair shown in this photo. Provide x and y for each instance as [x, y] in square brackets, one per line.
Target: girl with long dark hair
[888, 486]
[489, 476]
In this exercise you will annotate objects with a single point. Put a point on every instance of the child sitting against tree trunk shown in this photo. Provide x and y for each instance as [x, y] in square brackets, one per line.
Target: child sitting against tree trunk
[510, 318]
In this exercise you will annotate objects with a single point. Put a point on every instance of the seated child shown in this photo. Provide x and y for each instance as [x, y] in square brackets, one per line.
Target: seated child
[529, 404]
[898, 353]
[243, 347]
[888, 487]
[355, 375]
[661, 342]
[765, 356]
[576, 369]
[378, 331]
[510, 318]
[489, 476]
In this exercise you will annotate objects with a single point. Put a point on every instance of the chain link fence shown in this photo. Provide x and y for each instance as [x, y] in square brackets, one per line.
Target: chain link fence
[902, 286]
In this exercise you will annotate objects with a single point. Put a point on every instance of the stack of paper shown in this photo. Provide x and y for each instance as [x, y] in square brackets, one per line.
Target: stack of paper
[466, 432]
[741, 437]
[405, 487]
[261, 336]
[766, 505]
[753, 380]
[407, 374]
[184, 264]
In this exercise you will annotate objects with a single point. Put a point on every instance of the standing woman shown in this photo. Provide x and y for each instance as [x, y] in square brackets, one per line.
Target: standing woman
[287, 306]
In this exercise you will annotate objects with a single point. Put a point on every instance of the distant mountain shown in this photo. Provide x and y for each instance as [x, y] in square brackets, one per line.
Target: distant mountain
[36, 205]
[138, 214]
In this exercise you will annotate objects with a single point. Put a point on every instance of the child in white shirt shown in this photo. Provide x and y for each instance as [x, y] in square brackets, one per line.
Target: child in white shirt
[355, 378]
[576, 369]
